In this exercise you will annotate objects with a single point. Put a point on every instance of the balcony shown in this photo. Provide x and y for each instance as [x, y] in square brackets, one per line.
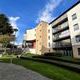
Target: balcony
[56, 39]
[59, 22]
[61, 36]
[62, 46]
[60, 30]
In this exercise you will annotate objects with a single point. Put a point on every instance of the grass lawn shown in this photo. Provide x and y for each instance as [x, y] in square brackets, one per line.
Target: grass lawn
[28, 55]
[51, 71]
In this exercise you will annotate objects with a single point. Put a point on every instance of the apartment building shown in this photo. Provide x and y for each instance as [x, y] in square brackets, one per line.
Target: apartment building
[41, 37]
[30, 40]
[66, 32]
[35, 39]
[62, 35]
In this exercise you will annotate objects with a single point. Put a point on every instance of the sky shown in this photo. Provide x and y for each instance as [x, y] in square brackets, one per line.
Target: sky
[26, 14]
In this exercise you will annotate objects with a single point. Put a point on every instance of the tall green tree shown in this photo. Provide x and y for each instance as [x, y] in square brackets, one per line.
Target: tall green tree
[5, 26]
[6, 31]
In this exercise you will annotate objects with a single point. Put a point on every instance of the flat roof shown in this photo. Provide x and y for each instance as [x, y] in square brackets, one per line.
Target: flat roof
[65, 12]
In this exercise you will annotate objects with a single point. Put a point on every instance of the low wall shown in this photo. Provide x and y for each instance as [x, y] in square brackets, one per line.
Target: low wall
[32, 51]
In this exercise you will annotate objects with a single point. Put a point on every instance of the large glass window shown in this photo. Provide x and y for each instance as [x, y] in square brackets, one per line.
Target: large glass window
[78, 38]
[74, 16]
[76, 27]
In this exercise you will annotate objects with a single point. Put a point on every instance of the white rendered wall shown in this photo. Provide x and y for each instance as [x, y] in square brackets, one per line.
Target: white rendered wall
[30, 34]
[49, 33]
[32, 51]
[74, 33]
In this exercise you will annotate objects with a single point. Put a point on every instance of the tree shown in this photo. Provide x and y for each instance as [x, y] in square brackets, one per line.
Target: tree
[6, 31]
[5, 26]
[5, 40]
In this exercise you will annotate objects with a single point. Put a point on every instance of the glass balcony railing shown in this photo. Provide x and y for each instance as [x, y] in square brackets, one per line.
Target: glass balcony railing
[59, 45]
[61, 28]
[61, 37]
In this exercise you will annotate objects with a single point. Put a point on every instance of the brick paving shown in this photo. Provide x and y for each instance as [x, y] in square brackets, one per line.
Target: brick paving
[15, 72]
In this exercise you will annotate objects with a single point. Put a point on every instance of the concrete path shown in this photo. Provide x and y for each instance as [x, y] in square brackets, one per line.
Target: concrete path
[15, 72]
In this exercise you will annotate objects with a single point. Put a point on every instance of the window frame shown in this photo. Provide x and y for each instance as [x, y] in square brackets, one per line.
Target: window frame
[48, 30]
[49, 44]
[76, 26]
[49, 37]
[74, 16]
[78, 51]
[78, 38]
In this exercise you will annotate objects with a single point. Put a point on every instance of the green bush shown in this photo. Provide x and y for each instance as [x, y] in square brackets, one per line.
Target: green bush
[53, 54]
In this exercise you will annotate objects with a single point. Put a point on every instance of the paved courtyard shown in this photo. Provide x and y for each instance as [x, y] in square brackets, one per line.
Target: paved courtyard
[15, 72]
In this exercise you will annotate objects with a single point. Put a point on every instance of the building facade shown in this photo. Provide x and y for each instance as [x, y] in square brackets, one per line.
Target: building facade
[35, 39]
[41, 37]
[30, 40]
[66, 32]
[62, 35]
[49, 39]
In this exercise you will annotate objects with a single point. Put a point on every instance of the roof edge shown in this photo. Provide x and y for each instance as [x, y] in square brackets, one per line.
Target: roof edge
[65, 12]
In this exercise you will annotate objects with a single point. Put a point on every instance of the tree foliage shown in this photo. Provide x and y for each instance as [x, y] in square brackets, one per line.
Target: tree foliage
[5, 39]
[5, 26]
[6, 30]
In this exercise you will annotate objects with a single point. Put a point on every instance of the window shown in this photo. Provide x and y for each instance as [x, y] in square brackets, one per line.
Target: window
[40, 36]
[49, 44]
[40, 43]
[49, 37]
[74, 16]
[78, 38]
[78, 51]
[49, 50]
[76, 27]
[49, 31]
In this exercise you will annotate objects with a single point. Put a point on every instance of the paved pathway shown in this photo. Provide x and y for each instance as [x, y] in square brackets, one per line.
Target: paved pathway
[15, 72]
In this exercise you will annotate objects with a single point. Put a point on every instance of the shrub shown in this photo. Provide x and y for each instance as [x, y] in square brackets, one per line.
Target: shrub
[53, 54]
